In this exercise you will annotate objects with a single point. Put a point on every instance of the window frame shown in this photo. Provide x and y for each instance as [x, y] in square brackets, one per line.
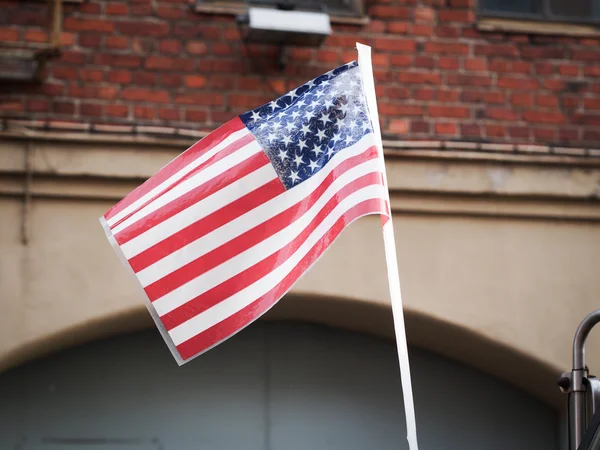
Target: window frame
[545, 15]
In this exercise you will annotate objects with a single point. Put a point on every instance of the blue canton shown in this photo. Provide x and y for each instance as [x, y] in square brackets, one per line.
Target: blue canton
[302, 130]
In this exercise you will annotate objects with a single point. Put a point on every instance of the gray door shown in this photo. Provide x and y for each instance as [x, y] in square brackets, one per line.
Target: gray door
[272, 387]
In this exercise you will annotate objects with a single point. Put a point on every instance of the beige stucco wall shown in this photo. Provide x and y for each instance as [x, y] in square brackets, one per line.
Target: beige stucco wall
[498, 256]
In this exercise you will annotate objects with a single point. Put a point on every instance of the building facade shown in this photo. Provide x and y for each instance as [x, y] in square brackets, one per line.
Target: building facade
[490, 114]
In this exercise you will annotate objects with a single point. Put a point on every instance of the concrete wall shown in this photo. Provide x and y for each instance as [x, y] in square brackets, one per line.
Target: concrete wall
[498, 255]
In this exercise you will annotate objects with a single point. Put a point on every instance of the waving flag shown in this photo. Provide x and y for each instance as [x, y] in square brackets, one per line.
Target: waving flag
[223, 231]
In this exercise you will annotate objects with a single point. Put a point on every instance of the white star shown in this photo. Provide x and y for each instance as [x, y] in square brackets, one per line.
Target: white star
[301, 144]
[295, 115]
[338, 123]
[324, 118]
[313, 165]
[321, 135]
[310, 84]
[366, 127]
[348, 139]
[325, 83]
[305, 129]
[292, 95]
[298, 160]
[274, 105]
[290, 126]
[301, 103]
[276, 125]
[330, 152]
[255, 115]
[264, 125]
[353, 83]
[282, 155]
[294, 176]
[349, 65]
[319, 94]
[317, 150]
[308, 115]
[328, 104]
[335, 139]
[344, 108]
[287, 140]
[271, 137]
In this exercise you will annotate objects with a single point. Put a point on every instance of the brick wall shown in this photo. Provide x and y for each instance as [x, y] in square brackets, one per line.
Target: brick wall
[157, 62]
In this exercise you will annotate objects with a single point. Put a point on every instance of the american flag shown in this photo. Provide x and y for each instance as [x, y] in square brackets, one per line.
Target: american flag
[223, 231]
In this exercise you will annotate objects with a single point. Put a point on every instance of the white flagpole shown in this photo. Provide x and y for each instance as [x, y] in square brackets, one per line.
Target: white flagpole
[368, 84]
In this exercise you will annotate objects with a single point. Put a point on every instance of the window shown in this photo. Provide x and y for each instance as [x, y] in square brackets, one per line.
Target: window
[336, 8]
[575, 11]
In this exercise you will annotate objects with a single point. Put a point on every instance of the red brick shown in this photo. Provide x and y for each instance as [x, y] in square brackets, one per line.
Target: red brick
[422, 30]
[98, 25]
[168, 113]
[196, 47]
[301, 54]
[554, 85]
[518, 83]
[501, 114]
[247, 100]
[91, 109]
[328, 56]
[397, 27]
[398, 92]
[586, 55]
[568, 134]
[141, 10]
[144, 78]
[519, 132]
[117, 60]
[171, 79]
[462, 3]
[521, 67]
[544, 68]
[592, 135]
[568, 70]
[521, 99]
[449, 63]
[65, 73]
[546, 101]
[395, 45]
[419, 78]
[195, 81]
[67, 39]
[548, 134]
[117, 110]
[9, 34]
[447, 95]
[470, 130]
[475, 64]
[90, 40]
[543, 117]
[169, 12]
[119, 76]
[36, 36]
[446, 128]
[195, 115]
[399, 109]
[570, 102]
[425, 14]
[165, 63]
[221, 82]
[591, 103]
[424, 62]
[398, 126]
[63, 107]
[143, 28]
[401, 60]
[424, 94]
[440, 48]
[169, 46]
[495, 131]
[449, 111]
[37, 105]
[116, 42]
[470, 96]
[499, 65]
[450, 15]
[447, 31]
[90, 8]
[144, 112]
[469, 80]
[375, 26]
[496, 49]
[116, 9]
[541, 53]
[145, 95]
[203, 99]
[232, 34]
[593, 71]
[389, 12]
[419, 126]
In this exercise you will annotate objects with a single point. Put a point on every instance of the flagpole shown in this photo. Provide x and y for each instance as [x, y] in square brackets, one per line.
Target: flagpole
[368, 83]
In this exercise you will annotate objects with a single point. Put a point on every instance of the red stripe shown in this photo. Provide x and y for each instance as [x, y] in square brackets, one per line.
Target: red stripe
[181, 161]
[207, 224]
[250, 313]
[254, 273]
[192, 197]
[231, 148]
[231, 211]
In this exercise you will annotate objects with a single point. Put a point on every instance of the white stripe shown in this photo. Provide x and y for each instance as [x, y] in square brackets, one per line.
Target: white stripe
[159, 233]
[178, 175]
[251, 256]
[199, 210]
[246, 222]
[246, 296]
[213, 171]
